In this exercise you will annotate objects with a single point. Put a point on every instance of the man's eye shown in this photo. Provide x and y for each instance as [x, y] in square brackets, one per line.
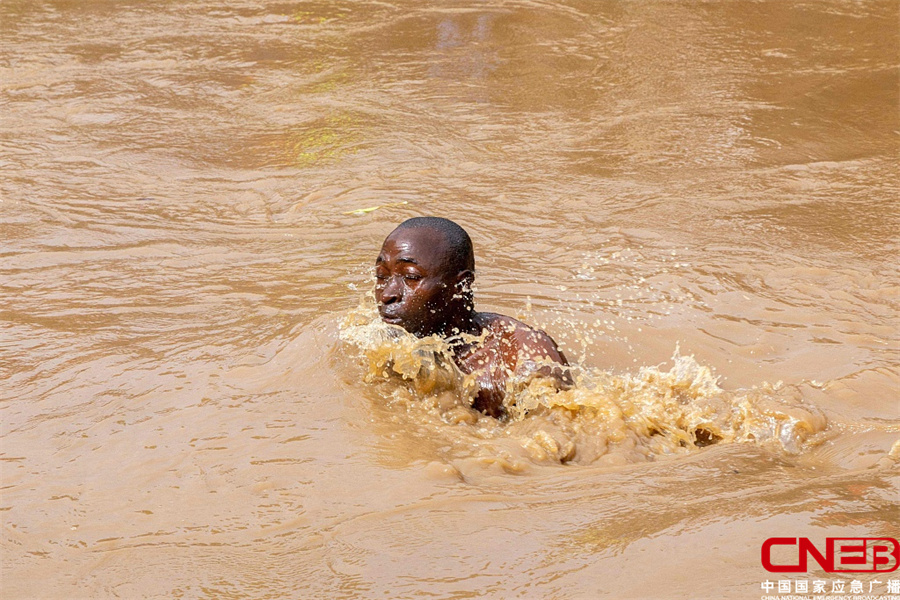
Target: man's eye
[380, 276]
[412, 277]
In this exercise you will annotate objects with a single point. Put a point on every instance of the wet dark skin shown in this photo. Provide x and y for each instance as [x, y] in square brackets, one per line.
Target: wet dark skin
[418, 289]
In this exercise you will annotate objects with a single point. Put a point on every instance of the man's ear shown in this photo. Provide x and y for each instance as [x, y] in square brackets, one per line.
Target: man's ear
[464, 280]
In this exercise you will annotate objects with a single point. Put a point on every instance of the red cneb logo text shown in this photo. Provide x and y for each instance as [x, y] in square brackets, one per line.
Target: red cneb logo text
[842, 555]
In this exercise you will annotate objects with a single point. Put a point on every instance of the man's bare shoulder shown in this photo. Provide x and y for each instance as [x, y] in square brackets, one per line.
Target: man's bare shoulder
[504, 325]
[527, 341]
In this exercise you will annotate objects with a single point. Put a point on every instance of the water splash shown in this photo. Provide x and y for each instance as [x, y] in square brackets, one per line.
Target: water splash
[604, 418]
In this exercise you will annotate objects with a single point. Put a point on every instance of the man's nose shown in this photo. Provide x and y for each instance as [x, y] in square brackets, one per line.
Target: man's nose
[393, 291]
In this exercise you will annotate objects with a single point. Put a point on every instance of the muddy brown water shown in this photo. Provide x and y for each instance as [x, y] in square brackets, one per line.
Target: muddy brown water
[193, 194]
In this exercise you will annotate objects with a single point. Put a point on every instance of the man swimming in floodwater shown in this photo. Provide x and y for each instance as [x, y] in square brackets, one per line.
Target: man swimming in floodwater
[424, 276]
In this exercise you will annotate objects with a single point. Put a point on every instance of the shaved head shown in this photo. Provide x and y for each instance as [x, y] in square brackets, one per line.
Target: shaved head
[460, 255]
[423, 277]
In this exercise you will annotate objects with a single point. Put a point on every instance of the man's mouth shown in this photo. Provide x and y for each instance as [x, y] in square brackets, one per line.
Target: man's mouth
[389, 317]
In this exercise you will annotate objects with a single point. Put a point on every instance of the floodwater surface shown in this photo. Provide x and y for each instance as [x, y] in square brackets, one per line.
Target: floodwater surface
[697, 200]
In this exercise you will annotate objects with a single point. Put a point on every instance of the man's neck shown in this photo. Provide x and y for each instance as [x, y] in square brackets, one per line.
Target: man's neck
[463, 322]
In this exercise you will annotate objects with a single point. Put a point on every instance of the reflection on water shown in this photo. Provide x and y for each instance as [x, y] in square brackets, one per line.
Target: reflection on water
[192, 197]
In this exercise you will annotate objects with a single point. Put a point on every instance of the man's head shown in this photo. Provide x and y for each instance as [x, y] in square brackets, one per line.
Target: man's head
[423, 276]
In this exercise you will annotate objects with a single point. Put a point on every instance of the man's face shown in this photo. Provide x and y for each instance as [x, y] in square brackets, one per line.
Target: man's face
[414, 285]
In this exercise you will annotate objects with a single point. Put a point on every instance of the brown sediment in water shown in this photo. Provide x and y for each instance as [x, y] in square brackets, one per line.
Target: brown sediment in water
[192, 196]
